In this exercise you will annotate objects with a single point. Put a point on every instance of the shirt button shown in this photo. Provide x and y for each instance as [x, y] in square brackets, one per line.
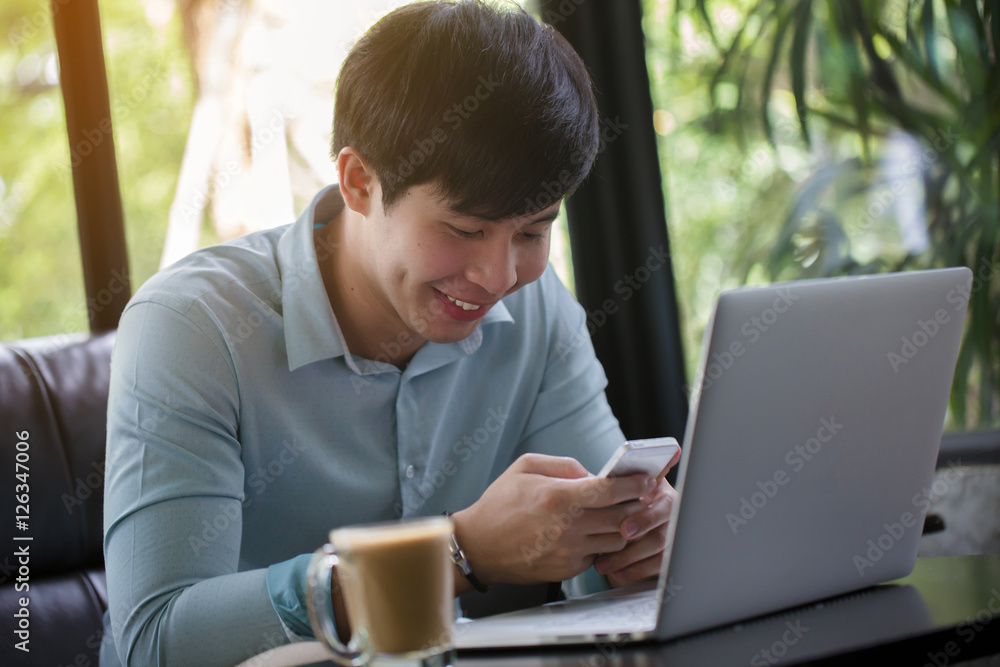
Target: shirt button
[410, 471]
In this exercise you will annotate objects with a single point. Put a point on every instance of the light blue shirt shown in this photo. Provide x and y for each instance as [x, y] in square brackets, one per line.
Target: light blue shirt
[241, 430]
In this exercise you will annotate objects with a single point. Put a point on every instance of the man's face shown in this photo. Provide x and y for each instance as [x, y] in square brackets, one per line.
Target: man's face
[438, 272]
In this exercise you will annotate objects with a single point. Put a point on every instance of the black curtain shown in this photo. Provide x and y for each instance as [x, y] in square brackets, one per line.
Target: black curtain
[618, 228]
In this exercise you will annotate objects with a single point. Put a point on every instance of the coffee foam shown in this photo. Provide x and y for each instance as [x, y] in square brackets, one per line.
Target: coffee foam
[390, 533]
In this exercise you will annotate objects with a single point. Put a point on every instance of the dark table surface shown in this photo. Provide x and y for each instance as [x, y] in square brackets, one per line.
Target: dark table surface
[947, 611]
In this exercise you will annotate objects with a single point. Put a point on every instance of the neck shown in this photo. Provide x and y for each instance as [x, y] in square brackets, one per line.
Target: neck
[370, 326]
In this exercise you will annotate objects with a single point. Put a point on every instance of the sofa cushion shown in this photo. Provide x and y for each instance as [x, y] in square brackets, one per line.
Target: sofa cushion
[56, 390]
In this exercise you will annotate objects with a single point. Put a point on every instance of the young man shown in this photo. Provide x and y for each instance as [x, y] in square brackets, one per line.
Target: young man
[403, 349]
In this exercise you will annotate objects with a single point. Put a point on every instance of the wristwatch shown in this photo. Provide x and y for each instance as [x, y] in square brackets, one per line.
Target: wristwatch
[462, 563]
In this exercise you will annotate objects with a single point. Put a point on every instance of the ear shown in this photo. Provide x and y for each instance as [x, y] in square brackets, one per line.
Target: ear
[358, 183]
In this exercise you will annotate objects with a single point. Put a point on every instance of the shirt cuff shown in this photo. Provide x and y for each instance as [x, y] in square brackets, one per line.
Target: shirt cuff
[585, 583]
[286, 586]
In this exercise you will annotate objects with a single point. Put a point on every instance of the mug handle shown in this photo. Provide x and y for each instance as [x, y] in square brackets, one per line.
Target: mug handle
[319, 603]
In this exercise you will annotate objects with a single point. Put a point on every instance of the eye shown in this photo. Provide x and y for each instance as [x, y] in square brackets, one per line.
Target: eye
[463, 233]
[535, 237]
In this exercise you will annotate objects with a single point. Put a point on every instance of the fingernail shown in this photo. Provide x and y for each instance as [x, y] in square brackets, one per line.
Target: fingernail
[602, 564]
[631, 528]
[651, 483]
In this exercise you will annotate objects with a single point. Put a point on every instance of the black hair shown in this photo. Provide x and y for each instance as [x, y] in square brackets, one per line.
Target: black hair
[475, 96]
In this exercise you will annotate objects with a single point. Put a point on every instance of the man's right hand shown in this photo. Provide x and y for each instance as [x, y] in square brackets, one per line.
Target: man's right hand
[546, 518]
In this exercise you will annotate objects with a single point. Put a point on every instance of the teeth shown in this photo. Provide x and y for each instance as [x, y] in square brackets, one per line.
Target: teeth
[462, 304]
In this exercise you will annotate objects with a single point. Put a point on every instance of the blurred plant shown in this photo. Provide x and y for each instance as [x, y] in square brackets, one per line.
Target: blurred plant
[896, 106]
[41, 278]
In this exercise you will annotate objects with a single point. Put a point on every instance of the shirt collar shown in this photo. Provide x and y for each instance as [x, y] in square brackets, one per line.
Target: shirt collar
[311, 329]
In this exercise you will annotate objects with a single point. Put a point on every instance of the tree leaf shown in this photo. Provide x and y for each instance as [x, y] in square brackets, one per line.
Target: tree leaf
[797, 60]
[911, 59]
[930, 40]
[784, 19]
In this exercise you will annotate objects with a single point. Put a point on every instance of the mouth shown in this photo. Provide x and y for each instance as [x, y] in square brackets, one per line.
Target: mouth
[459, 310]
[464, 305]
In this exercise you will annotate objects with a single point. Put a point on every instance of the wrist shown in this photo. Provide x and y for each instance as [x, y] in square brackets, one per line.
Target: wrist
[468, 564]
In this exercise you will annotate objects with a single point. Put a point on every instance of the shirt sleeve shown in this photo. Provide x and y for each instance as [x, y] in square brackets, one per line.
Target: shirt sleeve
[173, 502]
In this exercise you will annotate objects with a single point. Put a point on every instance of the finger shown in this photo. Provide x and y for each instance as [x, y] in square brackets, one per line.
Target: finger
[675, 459]
[655, 515]
[600, 520]
[638, 550]
[663, 490]
[644, 569]
[608, 491]
[605, 543]
[565, 467]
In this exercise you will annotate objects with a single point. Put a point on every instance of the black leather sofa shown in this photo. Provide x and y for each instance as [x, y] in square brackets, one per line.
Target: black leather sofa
[54, 397]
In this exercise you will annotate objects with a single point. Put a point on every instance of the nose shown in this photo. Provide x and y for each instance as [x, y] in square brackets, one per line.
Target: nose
[495, 267]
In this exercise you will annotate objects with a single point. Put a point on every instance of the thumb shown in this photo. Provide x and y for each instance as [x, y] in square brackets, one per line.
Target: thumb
[675, 459]
[565, 467]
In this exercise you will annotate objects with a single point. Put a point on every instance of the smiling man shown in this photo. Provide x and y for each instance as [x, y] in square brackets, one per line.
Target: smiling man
[402, 349]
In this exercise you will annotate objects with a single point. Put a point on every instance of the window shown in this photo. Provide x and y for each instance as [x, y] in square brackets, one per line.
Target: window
[898, 168]
[221, 122]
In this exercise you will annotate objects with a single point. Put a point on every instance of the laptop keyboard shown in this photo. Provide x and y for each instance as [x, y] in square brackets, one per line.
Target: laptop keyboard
[633, 611]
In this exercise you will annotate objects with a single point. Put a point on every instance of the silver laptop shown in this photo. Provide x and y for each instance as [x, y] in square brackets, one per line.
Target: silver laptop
[816, 419]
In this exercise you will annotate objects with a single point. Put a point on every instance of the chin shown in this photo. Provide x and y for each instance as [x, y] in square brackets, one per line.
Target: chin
[445, 335]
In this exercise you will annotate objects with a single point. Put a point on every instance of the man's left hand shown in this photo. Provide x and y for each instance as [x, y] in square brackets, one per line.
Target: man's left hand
[647, 533]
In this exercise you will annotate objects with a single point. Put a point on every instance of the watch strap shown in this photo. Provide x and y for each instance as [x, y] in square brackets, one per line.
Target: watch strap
[462, 563]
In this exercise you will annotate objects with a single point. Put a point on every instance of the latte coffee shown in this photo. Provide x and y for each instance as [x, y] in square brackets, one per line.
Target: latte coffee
[397, 583]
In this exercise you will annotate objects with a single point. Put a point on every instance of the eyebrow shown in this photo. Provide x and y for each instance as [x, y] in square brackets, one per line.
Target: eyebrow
[545, 218]
[548, 217]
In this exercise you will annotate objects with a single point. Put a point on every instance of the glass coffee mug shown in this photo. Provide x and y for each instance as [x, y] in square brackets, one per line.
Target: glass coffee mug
[396, 580]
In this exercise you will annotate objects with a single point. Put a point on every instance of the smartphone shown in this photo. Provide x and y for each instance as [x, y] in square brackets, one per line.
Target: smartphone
[649, 456]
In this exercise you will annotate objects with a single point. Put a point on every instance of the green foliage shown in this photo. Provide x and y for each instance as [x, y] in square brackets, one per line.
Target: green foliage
[858, 117]
[41, 278]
